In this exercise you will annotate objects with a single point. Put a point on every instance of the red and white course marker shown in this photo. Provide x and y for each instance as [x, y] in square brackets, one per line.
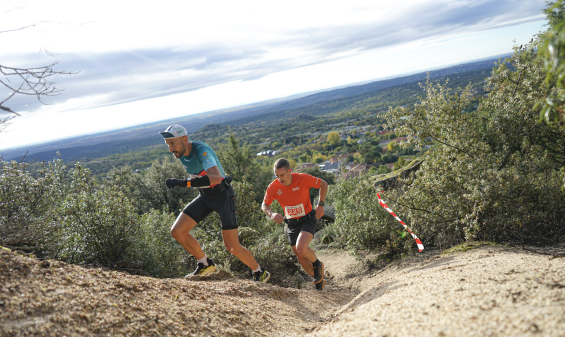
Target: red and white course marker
[418, 242]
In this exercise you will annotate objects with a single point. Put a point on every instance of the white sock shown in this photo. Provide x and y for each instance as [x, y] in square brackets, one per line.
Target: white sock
[258, 268]
[203, 260]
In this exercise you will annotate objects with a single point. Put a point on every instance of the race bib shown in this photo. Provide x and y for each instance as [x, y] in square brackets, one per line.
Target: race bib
[295, 211]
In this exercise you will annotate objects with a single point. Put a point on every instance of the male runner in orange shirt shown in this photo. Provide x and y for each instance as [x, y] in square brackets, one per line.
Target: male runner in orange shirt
[291, 190]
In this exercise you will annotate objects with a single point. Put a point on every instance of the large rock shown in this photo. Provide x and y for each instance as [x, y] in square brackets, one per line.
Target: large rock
[383, 182]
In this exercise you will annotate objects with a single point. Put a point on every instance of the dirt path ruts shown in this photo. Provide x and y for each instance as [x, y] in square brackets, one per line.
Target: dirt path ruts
[488, 291]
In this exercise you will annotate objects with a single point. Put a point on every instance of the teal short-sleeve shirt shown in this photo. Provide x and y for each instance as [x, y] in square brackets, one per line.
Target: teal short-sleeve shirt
[201, 158]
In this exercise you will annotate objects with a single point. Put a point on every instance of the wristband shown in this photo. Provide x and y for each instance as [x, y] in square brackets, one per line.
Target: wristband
[199, 181]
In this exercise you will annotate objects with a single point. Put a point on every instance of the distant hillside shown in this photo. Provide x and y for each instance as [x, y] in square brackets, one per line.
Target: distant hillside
[370, 87]
[125, 139]
[377, 100]
[146, 135]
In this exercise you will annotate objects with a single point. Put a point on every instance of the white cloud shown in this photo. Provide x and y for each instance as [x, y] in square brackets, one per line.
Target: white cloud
[242, 51]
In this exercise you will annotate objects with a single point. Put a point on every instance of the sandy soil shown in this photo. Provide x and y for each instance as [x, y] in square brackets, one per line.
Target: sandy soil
[487, 291]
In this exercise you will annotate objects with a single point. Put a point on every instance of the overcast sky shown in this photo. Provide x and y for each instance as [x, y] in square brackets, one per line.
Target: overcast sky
[148, 61]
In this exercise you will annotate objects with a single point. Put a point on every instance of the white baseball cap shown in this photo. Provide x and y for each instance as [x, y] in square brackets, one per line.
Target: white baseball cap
[174, 131]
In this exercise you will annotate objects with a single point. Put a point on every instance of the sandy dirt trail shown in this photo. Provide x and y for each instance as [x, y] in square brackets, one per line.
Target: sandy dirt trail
[487, 291]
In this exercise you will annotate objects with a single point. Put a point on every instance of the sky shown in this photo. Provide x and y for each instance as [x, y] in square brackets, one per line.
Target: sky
[135, 62]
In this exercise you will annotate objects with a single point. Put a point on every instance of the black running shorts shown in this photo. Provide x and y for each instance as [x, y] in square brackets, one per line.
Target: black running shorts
[294, 230]
[223, 204]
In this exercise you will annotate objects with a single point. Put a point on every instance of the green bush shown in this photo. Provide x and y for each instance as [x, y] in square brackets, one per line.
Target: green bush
[365, 225]
[383, 169]
[155, 248]
[26, 201]
[97, 225]
[493, 173]
[147, 191]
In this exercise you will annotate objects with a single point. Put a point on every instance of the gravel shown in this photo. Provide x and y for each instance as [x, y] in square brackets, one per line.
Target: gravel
[486, 291]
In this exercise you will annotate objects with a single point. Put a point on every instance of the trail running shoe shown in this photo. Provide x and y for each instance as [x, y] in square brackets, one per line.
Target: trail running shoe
[320, 285]
[261, 276]
[318, 271]
[203, 270]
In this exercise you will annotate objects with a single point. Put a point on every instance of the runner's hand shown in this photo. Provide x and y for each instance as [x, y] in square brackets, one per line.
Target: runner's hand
[319, 211]
[277, 217]
[172, 182]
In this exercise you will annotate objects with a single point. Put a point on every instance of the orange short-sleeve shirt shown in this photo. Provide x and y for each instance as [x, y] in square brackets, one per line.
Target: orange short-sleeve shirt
[295, 199]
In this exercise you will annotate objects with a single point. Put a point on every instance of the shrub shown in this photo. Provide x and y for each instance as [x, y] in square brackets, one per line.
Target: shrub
[97, 225]
[155, 248]
[383, 169]
[27, 201]
[493, 172]
[367, 225]
[148, 191]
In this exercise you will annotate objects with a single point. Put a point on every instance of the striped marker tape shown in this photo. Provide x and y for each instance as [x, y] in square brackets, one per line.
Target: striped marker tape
[418, 242]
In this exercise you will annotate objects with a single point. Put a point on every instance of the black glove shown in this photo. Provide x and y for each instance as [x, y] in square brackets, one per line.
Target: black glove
[172, 182]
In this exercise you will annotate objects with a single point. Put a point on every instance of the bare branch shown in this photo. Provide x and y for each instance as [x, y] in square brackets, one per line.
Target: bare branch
[517, 82]
[32, 82]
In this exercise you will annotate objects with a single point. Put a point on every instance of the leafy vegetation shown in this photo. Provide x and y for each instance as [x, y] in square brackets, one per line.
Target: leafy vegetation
[493, 173]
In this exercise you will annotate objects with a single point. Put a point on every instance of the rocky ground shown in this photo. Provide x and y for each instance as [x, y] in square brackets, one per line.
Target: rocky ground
[484, 291]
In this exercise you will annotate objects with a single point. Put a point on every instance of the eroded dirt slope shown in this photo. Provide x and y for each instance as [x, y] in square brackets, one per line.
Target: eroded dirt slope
[57, 299]
[487, 291]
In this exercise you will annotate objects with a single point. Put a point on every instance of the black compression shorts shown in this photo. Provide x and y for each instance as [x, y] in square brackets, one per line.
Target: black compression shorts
[294, 227]
[223, 204]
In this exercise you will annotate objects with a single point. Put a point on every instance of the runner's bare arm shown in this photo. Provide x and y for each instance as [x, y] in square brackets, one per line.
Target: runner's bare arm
[274, 216]
[214, 174]
[323, 192]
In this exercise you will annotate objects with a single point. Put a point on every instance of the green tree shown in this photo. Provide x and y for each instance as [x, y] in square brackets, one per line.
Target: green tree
[304, 158]
[399, 164]
[292, 163]
[370, 151]
[555, 13]
[359, 214]
[489, 175]
[148, 191]
[239, 162]
[334, 138]
[553, 51]
[391, 146]
[383, 169]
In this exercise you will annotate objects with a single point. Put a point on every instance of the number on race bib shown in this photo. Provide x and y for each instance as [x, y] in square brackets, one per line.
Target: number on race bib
[295, 211]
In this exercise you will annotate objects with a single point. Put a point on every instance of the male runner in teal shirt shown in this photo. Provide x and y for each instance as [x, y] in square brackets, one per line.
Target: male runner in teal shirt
[216, 194]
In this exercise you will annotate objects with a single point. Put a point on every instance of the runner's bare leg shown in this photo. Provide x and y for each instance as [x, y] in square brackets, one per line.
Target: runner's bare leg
[231, 241]
[181, 232]
[305, 254]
